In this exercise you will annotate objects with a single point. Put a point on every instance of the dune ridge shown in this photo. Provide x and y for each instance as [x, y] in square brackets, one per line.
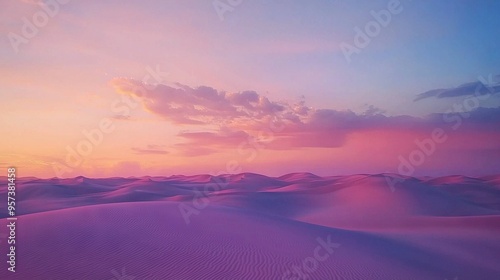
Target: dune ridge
[250, 226]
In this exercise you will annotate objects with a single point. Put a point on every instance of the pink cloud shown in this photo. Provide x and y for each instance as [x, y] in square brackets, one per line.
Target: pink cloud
[202, 105]
[151, 150]
[247, 118]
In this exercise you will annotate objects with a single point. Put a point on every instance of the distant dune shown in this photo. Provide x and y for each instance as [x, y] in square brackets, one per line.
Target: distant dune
[249, 226]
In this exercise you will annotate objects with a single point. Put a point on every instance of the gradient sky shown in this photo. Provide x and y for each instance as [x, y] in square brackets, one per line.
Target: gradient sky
[266, 88]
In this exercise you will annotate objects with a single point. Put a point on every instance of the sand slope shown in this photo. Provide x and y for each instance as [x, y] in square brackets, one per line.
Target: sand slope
[249, 226]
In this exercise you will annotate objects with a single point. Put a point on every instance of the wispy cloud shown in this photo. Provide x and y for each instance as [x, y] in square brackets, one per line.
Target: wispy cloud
[151, 150]
[467, 89]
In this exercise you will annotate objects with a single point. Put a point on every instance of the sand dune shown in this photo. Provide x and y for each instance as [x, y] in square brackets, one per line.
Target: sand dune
[249, 226]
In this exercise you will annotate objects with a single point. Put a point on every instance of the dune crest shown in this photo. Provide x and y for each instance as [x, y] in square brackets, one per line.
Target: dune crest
[250, 226]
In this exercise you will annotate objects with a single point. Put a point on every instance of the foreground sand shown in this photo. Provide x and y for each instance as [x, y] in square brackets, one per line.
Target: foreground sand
[248, 226]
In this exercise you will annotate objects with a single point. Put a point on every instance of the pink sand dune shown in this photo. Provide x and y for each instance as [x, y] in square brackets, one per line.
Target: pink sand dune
[297, 226]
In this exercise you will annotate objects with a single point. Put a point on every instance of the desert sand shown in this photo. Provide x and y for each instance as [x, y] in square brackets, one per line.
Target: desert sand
[250, 226]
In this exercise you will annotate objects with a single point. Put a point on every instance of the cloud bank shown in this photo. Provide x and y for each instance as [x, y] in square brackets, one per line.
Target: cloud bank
[226, 120]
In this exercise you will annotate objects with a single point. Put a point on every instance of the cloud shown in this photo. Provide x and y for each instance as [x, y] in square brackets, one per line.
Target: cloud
[474, 88]
[215, 138]
[150, 150]
[232, 120]
[181, 104]
[372, 110]
[193, 151]
[481, 117]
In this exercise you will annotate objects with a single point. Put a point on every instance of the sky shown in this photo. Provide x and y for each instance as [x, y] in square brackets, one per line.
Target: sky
[135, 88]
